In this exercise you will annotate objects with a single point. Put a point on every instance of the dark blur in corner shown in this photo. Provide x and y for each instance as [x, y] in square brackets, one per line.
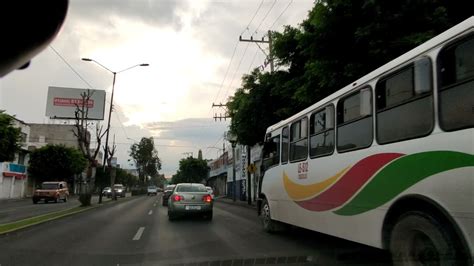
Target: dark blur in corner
[28, 28]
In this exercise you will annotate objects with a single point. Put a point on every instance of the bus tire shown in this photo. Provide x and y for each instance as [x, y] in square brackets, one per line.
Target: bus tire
[418, 238]
[269, 225]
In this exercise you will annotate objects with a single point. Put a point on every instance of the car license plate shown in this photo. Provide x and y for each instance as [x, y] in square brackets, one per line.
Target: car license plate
[192, 208]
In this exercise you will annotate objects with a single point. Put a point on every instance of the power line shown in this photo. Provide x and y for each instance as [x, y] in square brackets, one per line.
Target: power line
[253, 60]
[265, 17]
[226, 72]
[253, 17]
[281, 14]
[236, 70]
[69, 65]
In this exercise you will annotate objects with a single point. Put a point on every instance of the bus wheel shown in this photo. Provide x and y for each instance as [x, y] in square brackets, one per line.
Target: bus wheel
[420, 239]
[269, 225]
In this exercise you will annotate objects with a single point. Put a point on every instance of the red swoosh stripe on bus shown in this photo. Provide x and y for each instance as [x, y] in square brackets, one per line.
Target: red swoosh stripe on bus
[349, 184]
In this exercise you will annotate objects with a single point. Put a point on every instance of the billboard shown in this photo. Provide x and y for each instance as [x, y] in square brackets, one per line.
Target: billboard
[62, 103]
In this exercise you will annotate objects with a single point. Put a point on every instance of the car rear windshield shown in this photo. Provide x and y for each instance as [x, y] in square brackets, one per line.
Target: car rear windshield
[50, 186]
[191, 188]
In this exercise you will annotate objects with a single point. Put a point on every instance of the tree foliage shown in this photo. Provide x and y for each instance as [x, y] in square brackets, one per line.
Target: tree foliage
[10, 138]
[146, 158]
[339, 42]
[56, 163]
[123, 177]
[191, 170]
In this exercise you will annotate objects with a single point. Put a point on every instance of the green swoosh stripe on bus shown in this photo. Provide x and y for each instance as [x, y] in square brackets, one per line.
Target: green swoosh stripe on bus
[401, 174]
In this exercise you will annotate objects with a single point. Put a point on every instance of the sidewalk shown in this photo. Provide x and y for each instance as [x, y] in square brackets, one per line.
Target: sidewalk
[237, 202]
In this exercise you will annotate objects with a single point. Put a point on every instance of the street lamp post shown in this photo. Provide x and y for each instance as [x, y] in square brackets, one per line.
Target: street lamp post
[106, 154]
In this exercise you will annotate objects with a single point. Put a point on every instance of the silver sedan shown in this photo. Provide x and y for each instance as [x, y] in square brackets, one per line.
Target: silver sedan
[190, 198]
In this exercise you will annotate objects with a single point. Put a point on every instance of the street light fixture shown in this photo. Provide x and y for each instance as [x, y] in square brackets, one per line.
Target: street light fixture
[111, 101]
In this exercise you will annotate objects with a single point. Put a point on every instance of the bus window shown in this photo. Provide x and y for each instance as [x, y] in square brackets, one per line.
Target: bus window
[321, 141]
[456, 80]
[271, 152]
[299, 140]
[407, 94]
[354, 121]
[285, 141]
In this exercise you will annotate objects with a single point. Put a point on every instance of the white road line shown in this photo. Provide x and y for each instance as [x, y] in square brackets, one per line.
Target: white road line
[150, 212]
[139, 233]
[154, 205]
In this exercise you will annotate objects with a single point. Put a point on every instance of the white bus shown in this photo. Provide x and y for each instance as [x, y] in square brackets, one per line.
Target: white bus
[386, 161]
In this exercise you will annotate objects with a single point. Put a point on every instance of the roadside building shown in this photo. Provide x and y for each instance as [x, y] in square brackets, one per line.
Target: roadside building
[13, 175]
[218, 174]
[240, 183]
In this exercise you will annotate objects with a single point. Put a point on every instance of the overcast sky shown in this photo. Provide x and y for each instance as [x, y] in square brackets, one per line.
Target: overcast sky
[189, 45]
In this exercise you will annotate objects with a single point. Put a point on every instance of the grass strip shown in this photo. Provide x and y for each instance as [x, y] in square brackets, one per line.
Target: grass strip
[13, 226]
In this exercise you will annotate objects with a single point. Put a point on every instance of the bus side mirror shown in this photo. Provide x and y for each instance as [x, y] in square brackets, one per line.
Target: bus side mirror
[268, 136]
[422, 76]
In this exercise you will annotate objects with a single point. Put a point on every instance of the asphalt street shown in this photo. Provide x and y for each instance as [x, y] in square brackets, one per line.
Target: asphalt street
[137, 232]
[14, 210]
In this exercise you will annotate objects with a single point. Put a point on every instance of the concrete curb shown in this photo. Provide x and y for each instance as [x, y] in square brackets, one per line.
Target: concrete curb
[237, 203]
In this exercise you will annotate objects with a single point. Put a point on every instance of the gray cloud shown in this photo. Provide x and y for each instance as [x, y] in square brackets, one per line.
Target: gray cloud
[158, 13]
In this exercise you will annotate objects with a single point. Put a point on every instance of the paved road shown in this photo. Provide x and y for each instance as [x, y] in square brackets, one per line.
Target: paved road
[137, 232]
[14, 210]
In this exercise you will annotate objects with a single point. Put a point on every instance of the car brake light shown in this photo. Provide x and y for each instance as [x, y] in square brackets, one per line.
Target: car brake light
[177, 198]
[207, 198]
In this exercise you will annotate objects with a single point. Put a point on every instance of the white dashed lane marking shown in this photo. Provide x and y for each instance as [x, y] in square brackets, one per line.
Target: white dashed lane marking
[150, 212]
[139, 233]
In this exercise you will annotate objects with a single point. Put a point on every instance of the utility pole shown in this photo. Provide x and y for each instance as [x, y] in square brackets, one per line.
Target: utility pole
[270, 48]
[221, 116]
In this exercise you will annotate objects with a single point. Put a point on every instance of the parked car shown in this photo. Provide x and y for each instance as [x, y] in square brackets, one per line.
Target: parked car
[152, 190]
[119, 190]
[107, 192]
[210, 191]
[190, 198]
[166, 194]
[51, 191]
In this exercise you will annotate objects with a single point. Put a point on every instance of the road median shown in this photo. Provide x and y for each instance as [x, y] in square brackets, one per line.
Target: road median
[27, 222]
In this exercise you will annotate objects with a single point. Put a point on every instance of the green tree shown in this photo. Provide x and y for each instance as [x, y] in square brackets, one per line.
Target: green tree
[146, 158]
[191, 170]
[56, 163]
[10, 138]
[339, 42]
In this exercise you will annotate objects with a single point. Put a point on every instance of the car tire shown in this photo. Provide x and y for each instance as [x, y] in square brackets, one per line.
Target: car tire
[164, 203]
[35, 201]
[270, 225]
[420, 238]
[208, 216]
[171, 216]
[65, 198]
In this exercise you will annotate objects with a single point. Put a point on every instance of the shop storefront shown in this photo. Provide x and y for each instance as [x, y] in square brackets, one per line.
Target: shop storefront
[12, 180]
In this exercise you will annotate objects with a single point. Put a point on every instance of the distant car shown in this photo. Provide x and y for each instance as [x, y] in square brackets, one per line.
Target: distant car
[152, 190]
[166, 194]
[119, 190]
[107, 192]
[210, 191]
[51, 191]
[190, 198]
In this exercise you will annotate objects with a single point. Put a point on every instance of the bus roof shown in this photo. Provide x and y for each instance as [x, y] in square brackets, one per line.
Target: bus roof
[435, 41]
